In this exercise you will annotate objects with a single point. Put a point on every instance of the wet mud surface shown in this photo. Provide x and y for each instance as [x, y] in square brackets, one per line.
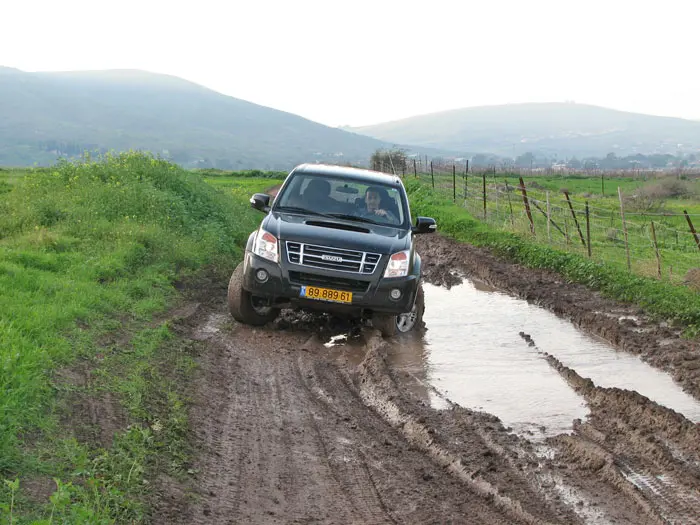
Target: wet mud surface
[311, 420]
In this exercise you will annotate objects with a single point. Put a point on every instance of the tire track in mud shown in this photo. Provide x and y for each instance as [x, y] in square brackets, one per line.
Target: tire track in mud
[288, 432]
[406, 484]
[477, 455]
[285, 439]
[268, 464]
[645, 450]
[348, 466]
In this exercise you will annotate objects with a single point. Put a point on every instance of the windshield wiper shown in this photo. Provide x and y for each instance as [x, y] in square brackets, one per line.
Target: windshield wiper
[299, 209]
[352, 218]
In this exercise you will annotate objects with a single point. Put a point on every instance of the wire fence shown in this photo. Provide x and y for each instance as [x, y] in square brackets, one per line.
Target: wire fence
[664, 245]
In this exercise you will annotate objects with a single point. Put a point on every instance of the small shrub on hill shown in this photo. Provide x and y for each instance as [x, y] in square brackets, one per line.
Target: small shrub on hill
[650, 197]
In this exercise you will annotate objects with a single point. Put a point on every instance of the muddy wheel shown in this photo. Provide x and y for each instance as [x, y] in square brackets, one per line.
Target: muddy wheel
[390, 325]
[245, 307]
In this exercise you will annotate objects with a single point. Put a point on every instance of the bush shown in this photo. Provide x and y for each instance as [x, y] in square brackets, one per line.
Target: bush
[650, 197]
[667, 188]
[692, 279]
[394, 160]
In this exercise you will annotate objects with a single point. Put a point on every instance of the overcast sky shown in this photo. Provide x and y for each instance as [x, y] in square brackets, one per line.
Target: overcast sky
[362, 62]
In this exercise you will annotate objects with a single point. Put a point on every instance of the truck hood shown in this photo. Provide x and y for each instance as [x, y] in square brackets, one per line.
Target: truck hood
[337, 233]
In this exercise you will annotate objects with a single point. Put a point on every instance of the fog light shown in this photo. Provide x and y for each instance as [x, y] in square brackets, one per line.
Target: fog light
[261, 276]
[395, 293]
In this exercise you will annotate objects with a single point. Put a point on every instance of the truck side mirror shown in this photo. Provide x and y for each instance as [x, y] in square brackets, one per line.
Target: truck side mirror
[424, 225]
[260, 201]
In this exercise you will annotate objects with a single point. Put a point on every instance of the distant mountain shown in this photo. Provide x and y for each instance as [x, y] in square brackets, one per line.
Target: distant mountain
[564, 129]
[46, 115]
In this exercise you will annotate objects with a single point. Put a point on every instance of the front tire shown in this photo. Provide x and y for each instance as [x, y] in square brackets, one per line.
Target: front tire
[391, 325]
[244, 306]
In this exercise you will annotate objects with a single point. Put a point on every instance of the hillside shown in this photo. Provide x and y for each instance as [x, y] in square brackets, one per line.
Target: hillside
[564, 129]
[44, 115]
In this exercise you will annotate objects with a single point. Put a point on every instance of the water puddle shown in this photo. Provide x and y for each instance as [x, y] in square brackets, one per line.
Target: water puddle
[334, 340]
[473, 355]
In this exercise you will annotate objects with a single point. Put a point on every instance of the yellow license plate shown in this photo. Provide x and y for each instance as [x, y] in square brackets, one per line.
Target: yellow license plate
[325, 294]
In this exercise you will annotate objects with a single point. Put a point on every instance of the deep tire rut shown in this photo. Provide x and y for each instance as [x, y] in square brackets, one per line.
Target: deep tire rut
[289, 431]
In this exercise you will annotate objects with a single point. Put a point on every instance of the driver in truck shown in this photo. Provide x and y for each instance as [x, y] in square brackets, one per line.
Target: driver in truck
[374, 198]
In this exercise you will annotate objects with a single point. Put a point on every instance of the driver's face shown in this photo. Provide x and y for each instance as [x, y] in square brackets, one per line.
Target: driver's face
[372, 200]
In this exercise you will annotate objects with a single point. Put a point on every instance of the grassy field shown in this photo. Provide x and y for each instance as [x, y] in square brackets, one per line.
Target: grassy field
[661, 201]
[89, 255]
[580, 184]
[659, 297]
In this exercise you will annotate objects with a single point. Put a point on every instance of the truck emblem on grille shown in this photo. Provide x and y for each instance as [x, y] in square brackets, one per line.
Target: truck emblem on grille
[332, 258]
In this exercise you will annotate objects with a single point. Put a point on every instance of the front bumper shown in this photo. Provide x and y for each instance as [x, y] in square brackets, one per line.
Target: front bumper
[284, 283]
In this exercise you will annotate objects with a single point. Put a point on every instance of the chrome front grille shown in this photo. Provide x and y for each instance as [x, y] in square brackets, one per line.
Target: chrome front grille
[328, 258]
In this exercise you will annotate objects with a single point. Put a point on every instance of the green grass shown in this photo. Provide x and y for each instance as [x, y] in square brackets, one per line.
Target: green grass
[211, 173]
[240, 185]
[580, 185]
[9, 176]
[505, 211]
[660, 298]
[88, 249]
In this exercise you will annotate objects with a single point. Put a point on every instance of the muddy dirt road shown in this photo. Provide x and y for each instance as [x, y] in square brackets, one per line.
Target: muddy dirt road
[309, 420]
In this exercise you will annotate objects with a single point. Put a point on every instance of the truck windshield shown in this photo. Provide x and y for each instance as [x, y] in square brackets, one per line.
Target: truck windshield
[342, 198]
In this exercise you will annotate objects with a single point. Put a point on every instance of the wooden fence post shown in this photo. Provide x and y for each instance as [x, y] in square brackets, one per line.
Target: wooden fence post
[483, 177]
[588, 230]
[573, 214]
[549, 220]
[656, 250]
[495, 184]
[415, 170]
[465, 186]
[692, 229]
[454, 184]
[624, 229]
[510, 206]
[527, 206]
[466, 179]
[432, 175]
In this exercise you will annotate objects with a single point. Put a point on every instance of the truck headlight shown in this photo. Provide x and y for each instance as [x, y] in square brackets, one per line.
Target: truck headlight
[266, 246]
[398, 265]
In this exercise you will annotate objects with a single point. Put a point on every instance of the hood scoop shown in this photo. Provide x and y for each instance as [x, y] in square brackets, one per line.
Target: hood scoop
[337, 226]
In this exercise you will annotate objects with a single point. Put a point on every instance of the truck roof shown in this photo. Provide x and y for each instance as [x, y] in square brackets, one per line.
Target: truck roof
[362, 174]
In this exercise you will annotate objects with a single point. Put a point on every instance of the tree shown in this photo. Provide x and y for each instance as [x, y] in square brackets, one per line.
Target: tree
[391, 161]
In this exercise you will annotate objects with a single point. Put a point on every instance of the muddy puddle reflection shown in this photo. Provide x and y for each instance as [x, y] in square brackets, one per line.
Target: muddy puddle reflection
[473, 354]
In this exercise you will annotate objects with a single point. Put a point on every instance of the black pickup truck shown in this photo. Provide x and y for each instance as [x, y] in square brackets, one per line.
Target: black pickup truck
[334, 239]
